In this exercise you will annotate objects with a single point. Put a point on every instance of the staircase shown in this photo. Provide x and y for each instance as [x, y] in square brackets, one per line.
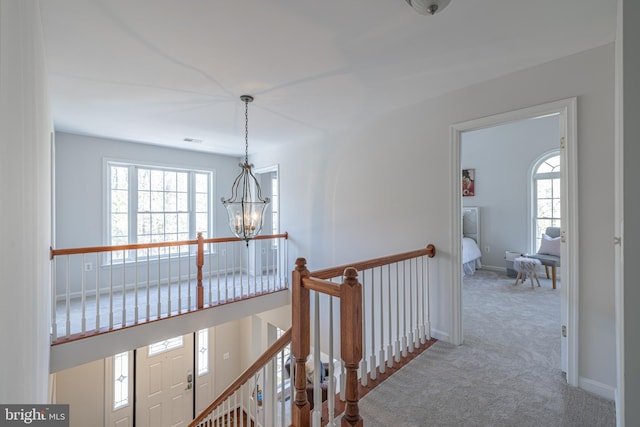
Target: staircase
[379, 309]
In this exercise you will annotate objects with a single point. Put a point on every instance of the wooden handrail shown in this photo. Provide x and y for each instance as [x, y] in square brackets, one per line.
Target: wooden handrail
[92, 249]
[331, 272]
[323, 286]
[252, 370]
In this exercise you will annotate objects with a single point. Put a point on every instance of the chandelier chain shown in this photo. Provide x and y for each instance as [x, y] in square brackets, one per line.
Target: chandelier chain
[246, 131]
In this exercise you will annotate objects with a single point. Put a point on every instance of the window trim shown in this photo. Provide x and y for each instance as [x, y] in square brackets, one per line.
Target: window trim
[274, 203]
[125, 400]
[533, 176]
[202, 360]
[106, 195]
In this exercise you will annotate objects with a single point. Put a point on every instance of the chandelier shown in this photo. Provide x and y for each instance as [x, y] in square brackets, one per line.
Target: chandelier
[246, 205]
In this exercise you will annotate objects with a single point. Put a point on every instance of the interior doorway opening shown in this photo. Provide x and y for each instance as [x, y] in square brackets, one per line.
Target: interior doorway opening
[567, 144]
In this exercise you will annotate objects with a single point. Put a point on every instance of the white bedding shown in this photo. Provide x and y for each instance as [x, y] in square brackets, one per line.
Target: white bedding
[470, 256]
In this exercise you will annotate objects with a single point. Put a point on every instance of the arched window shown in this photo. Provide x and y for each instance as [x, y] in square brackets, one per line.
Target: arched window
[546, 195]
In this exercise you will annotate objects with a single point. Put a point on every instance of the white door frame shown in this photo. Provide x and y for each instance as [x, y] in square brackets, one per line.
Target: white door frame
[567, 108]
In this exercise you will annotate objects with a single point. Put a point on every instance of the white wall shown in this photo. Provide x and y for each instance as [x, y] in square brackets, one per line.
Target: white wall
[502, 157]
[631, 136]
[385, 186]
[80, 186]
[25, 213]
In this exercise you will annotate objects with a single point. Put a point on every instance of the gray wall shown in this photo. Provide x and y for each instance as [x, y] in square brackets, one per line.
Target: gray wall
[80, 188]
[502, 157]
[631, 240]
[385, 186]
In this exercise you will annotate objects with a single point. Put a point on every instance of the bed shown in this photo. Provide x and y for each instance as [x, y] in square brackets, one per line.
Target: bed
[470, 240]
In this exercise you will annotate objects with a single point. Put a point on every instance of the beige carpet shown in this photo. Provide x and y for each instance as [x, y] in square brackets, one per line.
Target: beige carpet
[506, 373]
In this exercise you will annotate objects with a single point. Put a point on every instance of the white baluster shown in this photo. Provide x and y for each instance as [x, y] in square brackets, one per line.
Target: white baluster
[168, 281]
[54, 300]
[148, 290]
[135, 295]
[158, 284]
[390, 342]
[83, 295]
[331, 392]
[124, 290]
[428, 302]
[67, 297]
[218, 272]
[397, 288]
[364, 378]
[409, 303]
[110, 290]
[372, 357]
[179, 279]
[423, 312]
[97, 291]
[317, 393]
[383, 364]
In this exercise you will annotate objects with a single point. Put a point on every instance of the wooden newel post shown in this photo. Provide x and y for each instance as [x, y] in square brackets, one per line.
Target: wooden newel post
[351, 343]
[300, 343]
[199, 264]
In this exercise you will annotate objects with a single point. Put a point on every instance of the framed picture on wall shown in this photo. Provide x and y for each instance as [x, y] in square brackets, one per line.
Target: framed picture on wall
[468, 182]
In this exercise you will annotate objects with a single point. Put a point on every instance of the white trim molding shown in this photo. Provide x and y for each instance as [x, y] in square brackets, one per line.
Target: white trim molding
[567, 109]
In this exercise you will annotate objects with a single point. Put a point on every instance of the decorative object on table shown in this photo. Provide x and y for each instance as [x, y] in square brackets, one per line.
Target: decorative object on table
[246, 205]
[468, 182]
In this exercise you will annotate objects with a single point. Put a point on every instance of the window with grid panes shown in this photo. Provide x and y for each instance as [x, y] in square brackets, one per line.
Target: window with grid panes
[546, 192]
[151, 204]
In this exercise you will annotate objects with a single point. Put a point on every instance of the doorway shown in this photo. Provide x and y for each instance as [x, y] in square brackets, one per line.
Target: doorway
[566, 110]
[164, 383]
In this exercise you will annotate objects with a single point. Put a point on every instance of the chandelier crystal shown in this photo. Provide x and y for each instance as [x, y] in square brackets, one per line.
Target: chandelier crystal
[246, 205]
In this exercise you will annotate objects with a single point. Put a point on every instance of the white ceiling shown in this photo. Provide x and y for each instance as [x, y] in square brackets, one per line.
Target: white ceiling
[158, 71]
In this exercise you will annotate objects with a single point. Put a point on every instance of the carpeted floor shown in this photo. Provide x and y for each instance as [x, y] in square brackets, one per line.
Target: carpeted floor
[505, 374]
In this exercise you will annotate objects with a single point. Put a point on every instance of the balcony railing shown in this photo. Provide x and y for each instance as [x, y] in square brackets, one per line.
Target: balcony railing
[101, 289]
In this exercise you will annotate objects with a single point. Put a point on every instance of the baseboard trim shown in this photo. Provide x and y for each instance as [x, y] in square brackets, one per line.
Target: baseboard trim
[440, 336]
[599, 389]
[493, 268]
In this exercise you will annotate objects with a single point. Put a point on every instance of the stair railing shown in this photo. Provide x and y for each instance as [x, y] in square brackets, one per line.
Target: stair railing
[99, 289]
[382, 302]
[391, 303]
[256, 397]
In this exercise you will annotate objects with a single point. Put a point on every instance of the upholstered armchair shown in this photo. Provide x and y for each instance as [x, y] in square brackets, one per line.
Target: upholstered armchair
[549, 252]
[323, 385]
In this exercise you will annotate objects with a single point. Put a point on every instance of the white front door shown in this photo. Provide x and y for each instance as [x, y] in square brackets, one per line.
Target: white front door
[164, 385]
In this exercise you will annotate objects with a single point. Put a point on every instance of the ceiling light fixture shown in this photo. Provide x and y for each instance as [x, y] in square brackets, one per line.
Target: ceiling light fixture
[428, 7]
[246, 210]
